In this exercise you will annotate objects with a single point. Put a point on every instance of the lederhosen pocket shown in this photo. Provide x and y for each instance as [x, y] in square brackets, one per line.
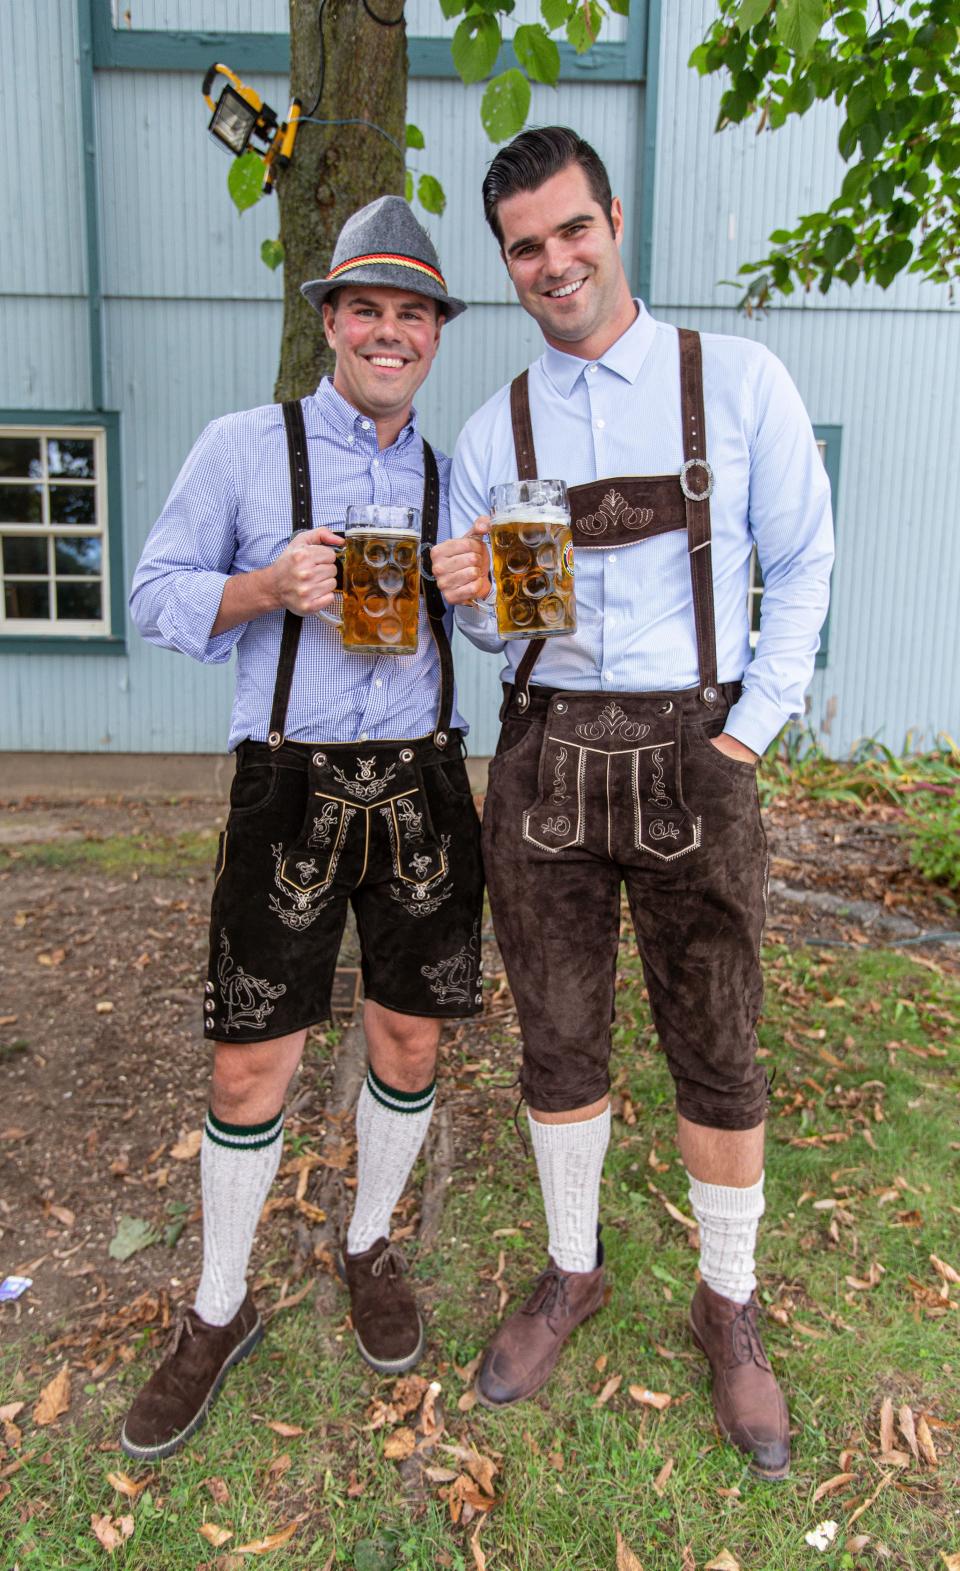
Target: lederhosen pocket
[610, 781]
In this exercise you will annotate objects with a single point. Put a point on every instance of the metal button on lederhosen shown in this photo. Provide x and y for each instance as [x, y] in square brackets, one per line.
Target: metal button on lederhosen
[610, 780]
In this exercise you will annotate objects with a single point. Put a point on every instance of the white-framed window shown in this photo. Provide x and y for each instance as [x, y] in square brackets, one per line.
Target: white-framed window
[828, 446]
[54, 548]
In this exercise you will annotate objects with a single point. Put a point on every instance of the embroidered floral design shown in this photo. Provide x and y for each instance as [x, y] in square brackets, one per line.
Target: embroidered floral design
[558, 826]
[426, 894]
[615, 512]
[246, 998]
[559, 793]
[323, 827]
[306, 870]
[420, 865]
[411, 822]
[457, 980]
[306, 904]
[365, 785]
[658, 794]
[612, 721]
[661, 831]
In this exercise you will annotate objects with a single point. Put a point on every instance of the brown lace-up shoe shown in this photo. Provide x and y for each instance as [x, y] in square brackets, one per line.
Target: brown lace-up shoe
[386, 1320]
[521, 1357]
[176, 1399]
[750, 1408]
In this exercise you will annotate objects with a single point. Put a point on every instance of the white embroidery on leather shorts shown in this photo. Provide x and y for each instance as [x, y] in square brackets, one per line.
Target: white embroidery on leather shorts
[614, 510]
[658, 793]
[411, 822]
[246, 999]
[457, 980]
[559, 794]
[427, 896]
[305, 905]
[323, 827]
[365, 785]
[613, 722]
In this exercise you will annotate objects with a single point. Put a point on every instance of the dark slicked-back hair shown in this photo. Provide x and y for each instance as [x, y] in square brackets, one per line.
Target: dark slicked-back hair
[536, 156]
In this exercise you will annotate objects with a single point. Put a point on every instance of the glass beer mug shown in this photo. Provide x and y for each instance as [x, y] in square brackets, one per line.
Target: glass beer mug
[380, 607]
[531, 545]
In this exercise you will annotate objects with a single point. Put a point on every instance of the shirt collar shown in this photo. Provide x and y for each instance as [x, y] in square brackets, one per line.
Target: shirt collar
[624, 357]
[335, 411]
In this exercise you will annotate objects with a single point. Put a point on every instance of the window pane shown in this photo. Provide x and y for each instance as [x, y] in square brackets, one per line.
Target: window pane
[21, 504]
[73, 504]
[28, 600]
[80, 555]
[81, 602]
[69, 455]
[20, 456]
[24, 554]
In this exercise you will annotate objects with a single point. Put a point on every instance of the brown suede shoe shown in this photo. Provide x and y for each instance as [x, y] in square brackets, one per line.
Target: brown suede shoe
[521, 1357]
[176, 1399]
[386, 1320]
[750, 1408]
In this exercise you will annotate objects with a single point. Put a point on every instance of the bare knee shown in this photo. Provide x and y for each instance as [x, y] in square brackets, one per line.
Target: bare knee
[402, 1048]
[249, 1083]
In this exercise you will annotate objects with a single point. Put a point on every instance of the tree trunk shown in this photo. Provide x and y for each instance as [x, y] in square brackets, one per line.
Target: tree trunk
[335, 169]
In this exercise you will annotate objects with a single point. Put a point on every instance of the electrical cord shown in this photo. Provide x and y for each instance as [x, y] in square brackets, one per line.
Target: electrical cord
[383, 21]
[368, 123]
[323, 64]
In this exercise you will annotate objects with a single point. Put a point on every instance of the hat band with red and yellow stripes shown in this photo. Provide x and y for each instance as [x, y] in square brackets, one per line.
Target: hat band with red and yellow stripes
[381, 257]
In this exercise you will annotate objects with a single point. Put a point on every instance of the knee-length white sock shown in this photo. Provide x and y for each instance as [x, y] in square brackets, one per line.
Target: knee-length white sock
[391, 1127]
[570, 1165]
[238, 1163]
[728, 1220]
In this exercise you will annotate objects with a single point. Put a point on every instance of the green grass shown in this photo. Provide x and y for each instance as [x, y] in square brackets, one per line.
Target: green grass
[165, 856]
[893, 1175]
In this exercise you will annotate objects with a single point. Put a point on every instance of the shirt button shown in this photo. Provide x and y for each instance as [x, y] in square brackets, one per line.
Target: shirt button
[599, 424]
[378, 682]
[592, 370]
[376, 463]
[365, 424]
[607, 677]
[351, 439]
[363, 736]
[611, 559]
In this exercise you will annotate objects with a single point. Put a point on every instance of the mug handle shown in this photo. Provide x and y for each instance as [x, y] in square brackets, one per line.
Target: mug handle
[331, 616]
[483, 604]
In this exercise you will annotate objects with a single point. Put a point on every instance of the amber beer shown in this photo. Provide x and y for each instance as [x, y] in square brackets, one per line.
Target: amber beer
[532, 548]
[380, 612]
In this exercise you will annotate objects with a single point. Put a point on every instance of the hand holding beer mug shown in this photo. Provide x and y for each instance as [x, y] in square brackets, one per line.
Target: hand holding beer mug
[532, 548]
[381, 581]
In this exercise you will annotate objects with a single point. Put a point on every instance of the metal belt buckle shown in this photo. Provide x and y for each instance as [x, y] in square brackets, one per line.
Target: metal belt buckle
[689, 493]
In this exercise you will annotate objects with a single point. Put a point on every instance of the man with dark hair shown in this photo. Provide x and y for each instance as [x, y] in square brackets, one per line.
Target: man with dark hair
[327, 807]
[632, 757]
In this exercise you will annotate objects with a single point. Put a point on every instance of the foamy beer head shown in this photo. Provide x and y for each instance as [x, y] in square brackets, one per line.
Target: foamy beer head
[381, 580]
[532, 548]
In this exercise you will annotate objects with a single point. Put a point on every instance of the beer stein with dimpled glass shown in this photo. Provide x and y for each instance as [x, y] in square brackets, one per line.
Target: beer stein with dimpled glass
[532, 550]
[380, 608]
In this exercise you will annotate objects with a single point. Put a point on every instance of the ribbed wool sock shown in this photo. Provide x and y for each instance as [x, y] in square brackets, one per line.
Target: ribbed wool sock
[238, 1163]
[391, 1126]
[728, 1220]
[570, 1164]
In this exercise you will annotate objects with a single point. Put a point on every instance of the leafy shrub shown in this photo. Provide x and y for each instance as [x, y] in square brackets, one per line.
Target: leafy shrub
[933, 831]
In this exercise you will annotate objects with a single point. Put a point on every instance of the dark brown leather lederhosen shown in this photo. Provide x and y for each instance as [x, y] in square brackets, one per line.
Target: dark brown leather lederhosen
[610, 779]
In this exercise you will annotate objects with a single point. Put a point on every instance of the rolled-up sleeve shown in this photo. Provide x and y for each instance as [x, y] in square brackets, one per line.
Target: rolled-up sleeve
[468, 503]
[178, 583]
[792, 524]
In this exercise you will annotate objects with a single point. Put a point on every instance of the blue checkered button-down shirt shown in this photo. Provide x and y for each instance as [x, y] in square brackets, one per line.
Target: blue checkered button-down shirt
[229, 512]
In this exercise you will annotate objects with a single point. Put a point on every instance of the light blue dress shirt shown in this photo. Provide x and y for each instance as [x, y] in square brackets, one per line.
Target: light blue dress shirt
[635, 630]
[230, 512]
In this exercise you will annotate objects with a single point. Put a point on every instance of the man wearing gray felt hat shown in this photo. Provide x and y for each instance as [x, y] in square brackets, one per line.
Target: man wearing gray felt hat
[350, 790]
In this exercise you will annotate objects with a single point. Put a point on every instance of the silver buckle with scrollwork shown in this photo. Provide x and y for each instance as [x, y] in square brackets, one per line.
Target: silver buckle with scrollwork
[696, 496]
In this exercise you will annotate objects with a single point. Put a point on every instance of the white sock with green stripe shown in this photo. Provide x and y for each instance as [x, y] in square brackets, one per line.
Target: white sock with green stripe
[391, 1126]
[238, 1163]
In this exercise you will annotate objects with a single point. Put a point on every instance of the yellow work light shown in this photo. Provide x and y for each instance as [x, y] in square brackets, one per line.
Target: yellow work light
[240, 113]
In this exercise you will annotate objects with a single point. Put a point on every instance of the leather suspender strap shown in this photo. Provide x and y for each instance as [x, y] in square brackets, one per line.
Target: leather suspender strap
[436, 609]
[302, 517]
[696, 483]
[526, 470]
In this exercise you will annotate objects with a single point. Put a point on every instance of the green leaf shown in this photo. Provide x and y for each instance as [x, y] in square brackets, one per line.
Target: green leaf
[245, 180]
[860, 102]
[431, 194]
[475, 46]
[415, 136]
[505, 105]
[408, 185]
[750, 13]
[556, 12]
[452, 7]
[579, 34]
[882, 188]
[271, 252]
[798, 24]
[132, 1234]
[622, 7]
[537, 53]
[892, 261]
[839, 243]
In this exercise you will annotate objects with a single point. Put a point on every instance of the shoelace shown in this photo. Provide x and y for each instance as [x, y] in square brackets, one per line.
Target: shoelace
[549, 1293]
[745, 1337]
[390, 1256]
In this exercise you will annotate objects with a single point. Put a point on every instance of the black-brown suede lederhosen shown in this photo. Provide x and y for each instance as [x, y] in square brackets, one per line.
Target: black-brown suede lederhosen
[589, 790]
[388, 827]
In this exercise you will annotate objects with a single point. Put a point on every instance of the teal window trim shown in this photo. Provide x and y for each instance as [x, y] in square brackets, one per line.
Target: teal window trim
[133, 49]
[831, 436]
[114, 643]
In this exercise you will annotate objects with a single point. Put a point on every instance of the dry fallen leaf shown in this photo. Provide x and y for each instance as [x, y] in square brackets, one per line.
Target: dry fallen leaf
[482, 1470]
[886, 1425]
[399, 1445]
[429, 1422]
[832, 1485]
[10, 1410]
[611, 1387]
[54, 1398]
[187, 1146]
[110, 1532]
[943, 1269]
[262, 1546]
[217, 1536]
[952, 1562]
[908, 1430]
[218, 1491]
[479, 1558]
[126, 1485]
[626, 1559]
[724, 1561]
[688, 1564]
[658, 1399]
[925, 1442]
[285, 1431]
[467, 1401]
[659, 1483]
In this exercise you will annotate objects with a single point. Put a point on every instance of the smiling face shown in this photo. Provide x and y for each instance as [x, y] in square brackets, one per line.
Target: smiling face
[563, 257]
[384, 340]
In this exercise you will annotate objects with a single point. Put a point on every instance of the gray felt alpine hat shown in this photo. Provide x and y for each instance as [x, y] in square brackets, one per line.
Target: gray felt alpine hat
[384, 245]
